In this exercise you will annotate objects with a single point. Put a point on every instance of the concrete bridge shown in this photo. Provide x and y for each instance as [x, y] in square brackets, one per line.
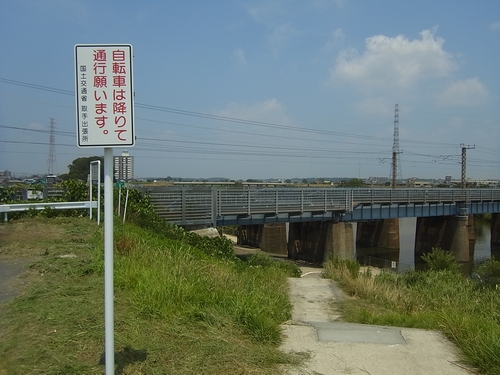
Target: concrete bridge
[311, 224]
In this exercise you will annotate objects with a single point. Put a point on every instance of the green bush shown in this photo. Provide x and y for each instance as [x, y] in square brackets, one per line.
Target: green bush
[489, 273]
[440, 260]
[74, 191]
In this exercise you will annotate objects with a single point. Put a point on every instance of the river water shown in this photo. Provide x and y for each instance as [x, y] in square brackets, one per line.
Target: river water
[405, 256]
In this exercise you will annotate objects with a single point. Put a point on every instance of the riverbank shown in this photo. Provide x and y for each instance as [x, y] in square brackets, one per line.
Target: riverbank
[178, 310]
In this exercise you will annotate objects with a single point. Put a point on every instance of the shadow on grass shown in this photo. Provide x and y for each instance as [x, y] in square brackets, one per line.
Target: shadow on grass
[125, 357]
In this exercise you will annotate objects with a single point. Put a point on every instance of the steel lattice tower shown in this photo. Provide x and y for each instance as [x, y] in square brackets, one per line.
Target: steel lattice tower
[464, 163]
[396, 165]
[51, 160]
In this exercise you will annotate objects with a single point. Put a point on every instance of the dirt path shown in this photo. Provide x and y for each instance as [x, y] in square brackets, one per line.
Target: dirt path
[344, 348]
[10, 272]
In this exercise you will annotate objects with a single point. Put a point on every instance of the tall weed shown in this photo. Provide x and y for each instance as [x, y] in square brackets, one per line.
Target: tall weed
[168, 279]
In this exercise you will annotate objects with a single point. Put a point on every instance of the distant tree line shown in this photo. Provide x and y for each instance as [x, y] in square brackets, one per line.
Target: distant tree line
[80, 167]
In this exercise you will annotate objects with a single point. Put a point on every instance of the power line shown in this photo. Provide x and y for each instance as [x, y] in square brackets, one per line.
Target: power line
[193, 147]
[228, 119]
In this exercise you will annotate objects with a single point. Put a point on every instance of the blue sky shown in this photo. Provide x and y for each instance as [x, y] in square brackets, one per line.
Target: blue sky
[264, 88]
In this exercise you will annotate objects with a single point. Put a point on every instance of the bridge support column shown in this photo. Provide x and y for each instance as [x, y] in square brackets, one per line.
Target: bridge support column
[315, 241]
[495, 230]
[379, 233]
[450, 233]
[340, 241]
[270, 238]
[495, 236]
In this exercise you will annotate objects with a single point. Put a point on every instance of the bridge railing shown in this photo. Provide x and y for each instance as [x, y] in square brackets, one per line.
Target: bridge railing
[418, 195]
[183, 206]
[191, 207]
[230, 202]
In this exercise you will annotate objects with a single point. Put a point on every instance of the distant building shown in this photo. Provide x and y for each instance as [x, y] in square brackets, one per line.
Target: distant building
[377, 180]
[6, 174]
[124, 167]
[421, 184]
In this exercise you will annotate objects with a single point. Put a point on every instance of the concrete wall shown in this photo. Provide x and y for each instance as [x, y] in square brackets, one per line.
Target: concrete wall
[270, 238]
[450, 233]
[495, 230]
[379, 233]
[316, 241]
[340, 241]
[306, 241]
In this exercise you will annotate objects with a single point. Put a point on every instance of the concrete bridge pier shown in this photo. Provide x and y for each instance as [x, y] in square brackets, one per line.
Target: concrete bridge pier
[471, 230]
[495, 236]
[315, 241]
[270, 238]
[450, 233]
[495, 229]
[379, 233]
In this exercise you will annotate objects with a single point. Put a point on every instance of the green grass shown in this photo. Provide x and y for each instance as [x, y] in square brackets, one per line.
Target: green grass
[177, 309]
[467, 312]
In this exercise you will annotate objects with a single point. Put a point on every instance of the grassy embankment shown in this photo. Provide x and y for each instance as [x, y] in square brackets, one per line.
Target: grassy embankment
[466, 311]
[177, 310]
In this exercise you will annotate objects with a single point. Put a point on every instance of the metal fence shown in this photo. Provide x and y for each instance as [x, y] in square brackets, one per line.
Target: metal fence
[18, 207]
[204, 206]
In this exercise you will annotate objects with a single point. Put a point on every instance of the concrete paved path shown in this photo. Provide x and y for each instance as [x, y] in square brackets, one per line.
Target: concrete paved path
[351, 349]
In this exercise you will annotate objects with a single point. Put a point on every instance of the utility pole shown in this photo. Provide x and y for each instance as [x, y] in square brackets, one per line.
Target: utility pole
[464, 163]
[396, 165]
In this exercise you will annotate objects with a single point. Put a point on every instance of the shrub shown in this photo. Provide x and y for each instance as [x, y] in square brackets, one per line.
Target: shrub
[440, 260]
[489, 272]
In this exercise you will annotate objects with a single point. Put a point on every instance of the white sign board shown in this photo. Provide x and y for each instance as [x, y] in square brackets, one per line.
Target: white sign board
[104, 95]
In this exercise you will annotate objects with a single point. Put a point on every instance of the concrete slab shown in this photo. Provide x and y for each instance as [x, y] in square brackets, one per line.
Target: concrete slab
[348, 332]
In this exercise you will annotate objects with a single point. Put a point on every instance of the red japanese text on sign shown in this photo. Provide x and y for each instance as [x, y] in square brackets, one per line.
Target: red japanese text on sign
[105, 96]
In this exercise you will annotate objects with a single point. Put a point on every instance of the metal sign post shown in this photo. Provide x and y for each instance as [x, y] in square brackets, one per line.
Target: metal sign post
[108, 262]
[92, 167]
[105, 118]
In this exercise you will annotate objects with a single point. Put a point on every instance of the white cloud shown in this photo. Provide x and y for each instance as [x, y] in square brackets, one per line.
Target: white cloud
[468, 93]
[336, 38]
[393, 62]
[277, 16]
[271, 111]
[239, 55]
[495, 26]
[281, 35]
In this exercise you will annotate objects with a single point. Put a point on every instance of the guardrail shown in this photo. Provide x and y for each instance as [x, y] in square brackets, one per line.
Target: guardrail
[6, 208]
[198, 206]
